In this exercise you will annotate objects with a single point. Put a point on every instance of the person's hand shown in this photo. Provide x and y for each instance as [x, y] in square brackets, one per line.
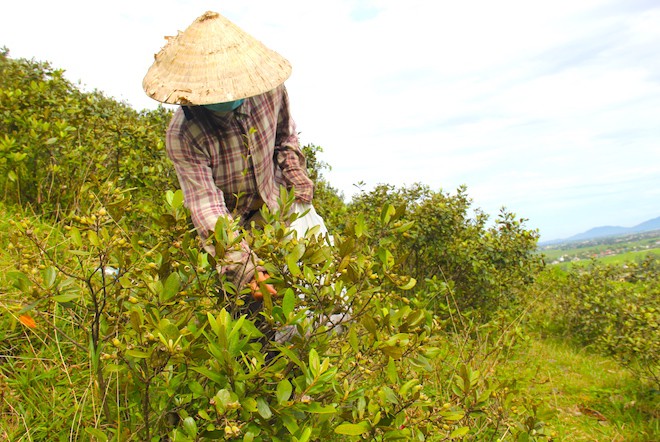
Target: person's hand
[260, 277]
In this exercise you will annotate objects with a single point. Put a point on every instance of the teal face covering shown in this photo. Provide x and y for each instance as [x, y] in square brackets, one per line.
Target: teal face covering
[224, 107]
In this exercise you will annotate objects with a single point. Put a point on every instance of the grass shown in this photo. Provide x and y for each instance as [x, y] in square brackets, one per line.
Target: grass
[630, 256]
[595, 399]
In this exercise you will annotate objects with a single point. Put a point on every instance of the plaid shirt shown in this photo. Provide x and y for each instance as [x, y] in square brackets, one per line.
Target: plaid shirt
[229, 164]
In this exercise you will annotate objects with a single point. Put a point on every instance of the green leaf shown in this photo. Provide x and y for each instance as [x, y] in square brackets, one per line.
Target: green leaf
[369, 323]
[523, 437]
[292, 265]
[190, 426]
[393, 351]
[288, 302]
[452, 415]
[404, 227]
[49, 274]
[397, 435]
[314, 362]
[263, 408]
[98, 434]
[353, 339]
[79, 253]
[236, 327]
[28, 308]
[457, 388]
[459, 432]
[126, 282]
[298, 251]
[137, 354]
[66, 297]
[223, 397]
[359, 225]
[214, 323]
[212, 375]
[75, 236]
[385, 257]
[284, 390]
[386, 213]
[177, 199]
[291, 355]
[391, 372]
[410, 284]
[317, 408]
[289, 422]
[305, 435]
[421, 362]
[414, 319]
[18, 156]
[389, 395]
[93, 238]
[293, 258]
[169, 196]
[403, 391]
[249, 404]
[196, 388]
[352, 429]
[171, 287]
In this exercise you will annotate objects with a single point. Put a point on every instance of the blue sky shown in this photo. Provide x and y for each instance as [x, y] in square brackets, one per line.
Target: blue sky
[549, 109]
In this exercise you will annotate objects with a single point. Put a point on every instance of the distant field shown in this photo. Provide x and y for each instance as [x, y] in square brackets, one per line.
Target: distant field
[606, 250]
[630, 256]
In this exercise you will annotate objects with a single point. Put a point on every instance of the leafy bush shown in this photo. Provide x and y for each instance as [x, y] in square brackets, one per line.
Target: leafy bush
[57, 142]
[482, 267]
[136, 337]
[614, 309]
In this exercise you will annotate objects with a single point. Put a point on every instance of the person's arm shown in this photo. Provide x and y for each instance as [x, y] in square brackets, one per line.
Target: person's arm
[288, 155]
[206, 203]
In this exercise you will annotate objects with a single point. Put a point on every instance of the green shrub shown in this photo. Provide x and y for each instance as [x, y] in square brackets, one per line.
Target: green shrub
[483, 267]
[613, 309]
[136, 338]
[58, 142]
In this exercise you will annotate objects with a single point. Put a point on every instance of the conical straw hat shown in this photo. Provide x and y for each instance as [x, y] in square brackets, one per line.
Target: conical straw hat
[213, 61]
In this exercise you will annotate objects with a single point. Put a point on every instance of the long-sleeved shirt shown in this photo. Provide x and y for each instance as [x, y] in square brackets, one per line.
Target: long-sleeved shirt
[229, 164]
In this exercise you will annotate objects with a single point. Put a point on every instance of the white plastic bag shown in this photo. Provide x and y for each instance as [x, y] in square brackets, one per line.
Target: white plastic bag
[308, 218]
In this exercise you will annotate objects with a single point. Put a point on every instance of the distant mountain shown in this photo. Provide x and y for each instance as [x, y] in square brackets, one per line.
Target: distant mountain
[652, 224]
[603, 231]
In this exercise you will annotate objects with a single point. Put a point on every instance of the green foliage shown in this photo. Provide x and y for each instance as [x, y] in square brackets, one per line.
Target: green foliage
[57, 142]
[138, 338]
[451, 253]
[614, 309]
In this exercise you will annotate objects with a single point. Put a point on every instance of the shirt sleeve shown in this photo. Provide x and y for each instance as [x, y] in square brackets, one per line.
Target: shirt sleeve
[192, 164]
[288, 155]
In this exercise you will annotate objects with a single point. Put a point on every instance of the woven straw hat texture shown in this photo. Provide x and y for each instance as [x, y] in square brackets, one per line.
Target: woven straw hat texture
[213, 61]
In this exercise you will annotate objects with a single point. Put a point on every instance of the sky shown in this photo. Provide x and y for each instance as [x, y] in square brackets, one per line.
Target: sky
[549, 109]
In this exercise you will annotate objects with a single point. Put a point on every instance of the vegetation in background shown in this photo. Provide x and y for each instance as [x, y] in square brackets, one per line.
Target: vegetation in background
[115, 325]
[58, 143]
[611, 309]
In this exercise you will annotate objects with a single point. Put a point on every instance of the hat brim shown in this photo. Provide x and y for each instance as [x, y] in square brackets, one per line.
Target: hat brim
[213, 61]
